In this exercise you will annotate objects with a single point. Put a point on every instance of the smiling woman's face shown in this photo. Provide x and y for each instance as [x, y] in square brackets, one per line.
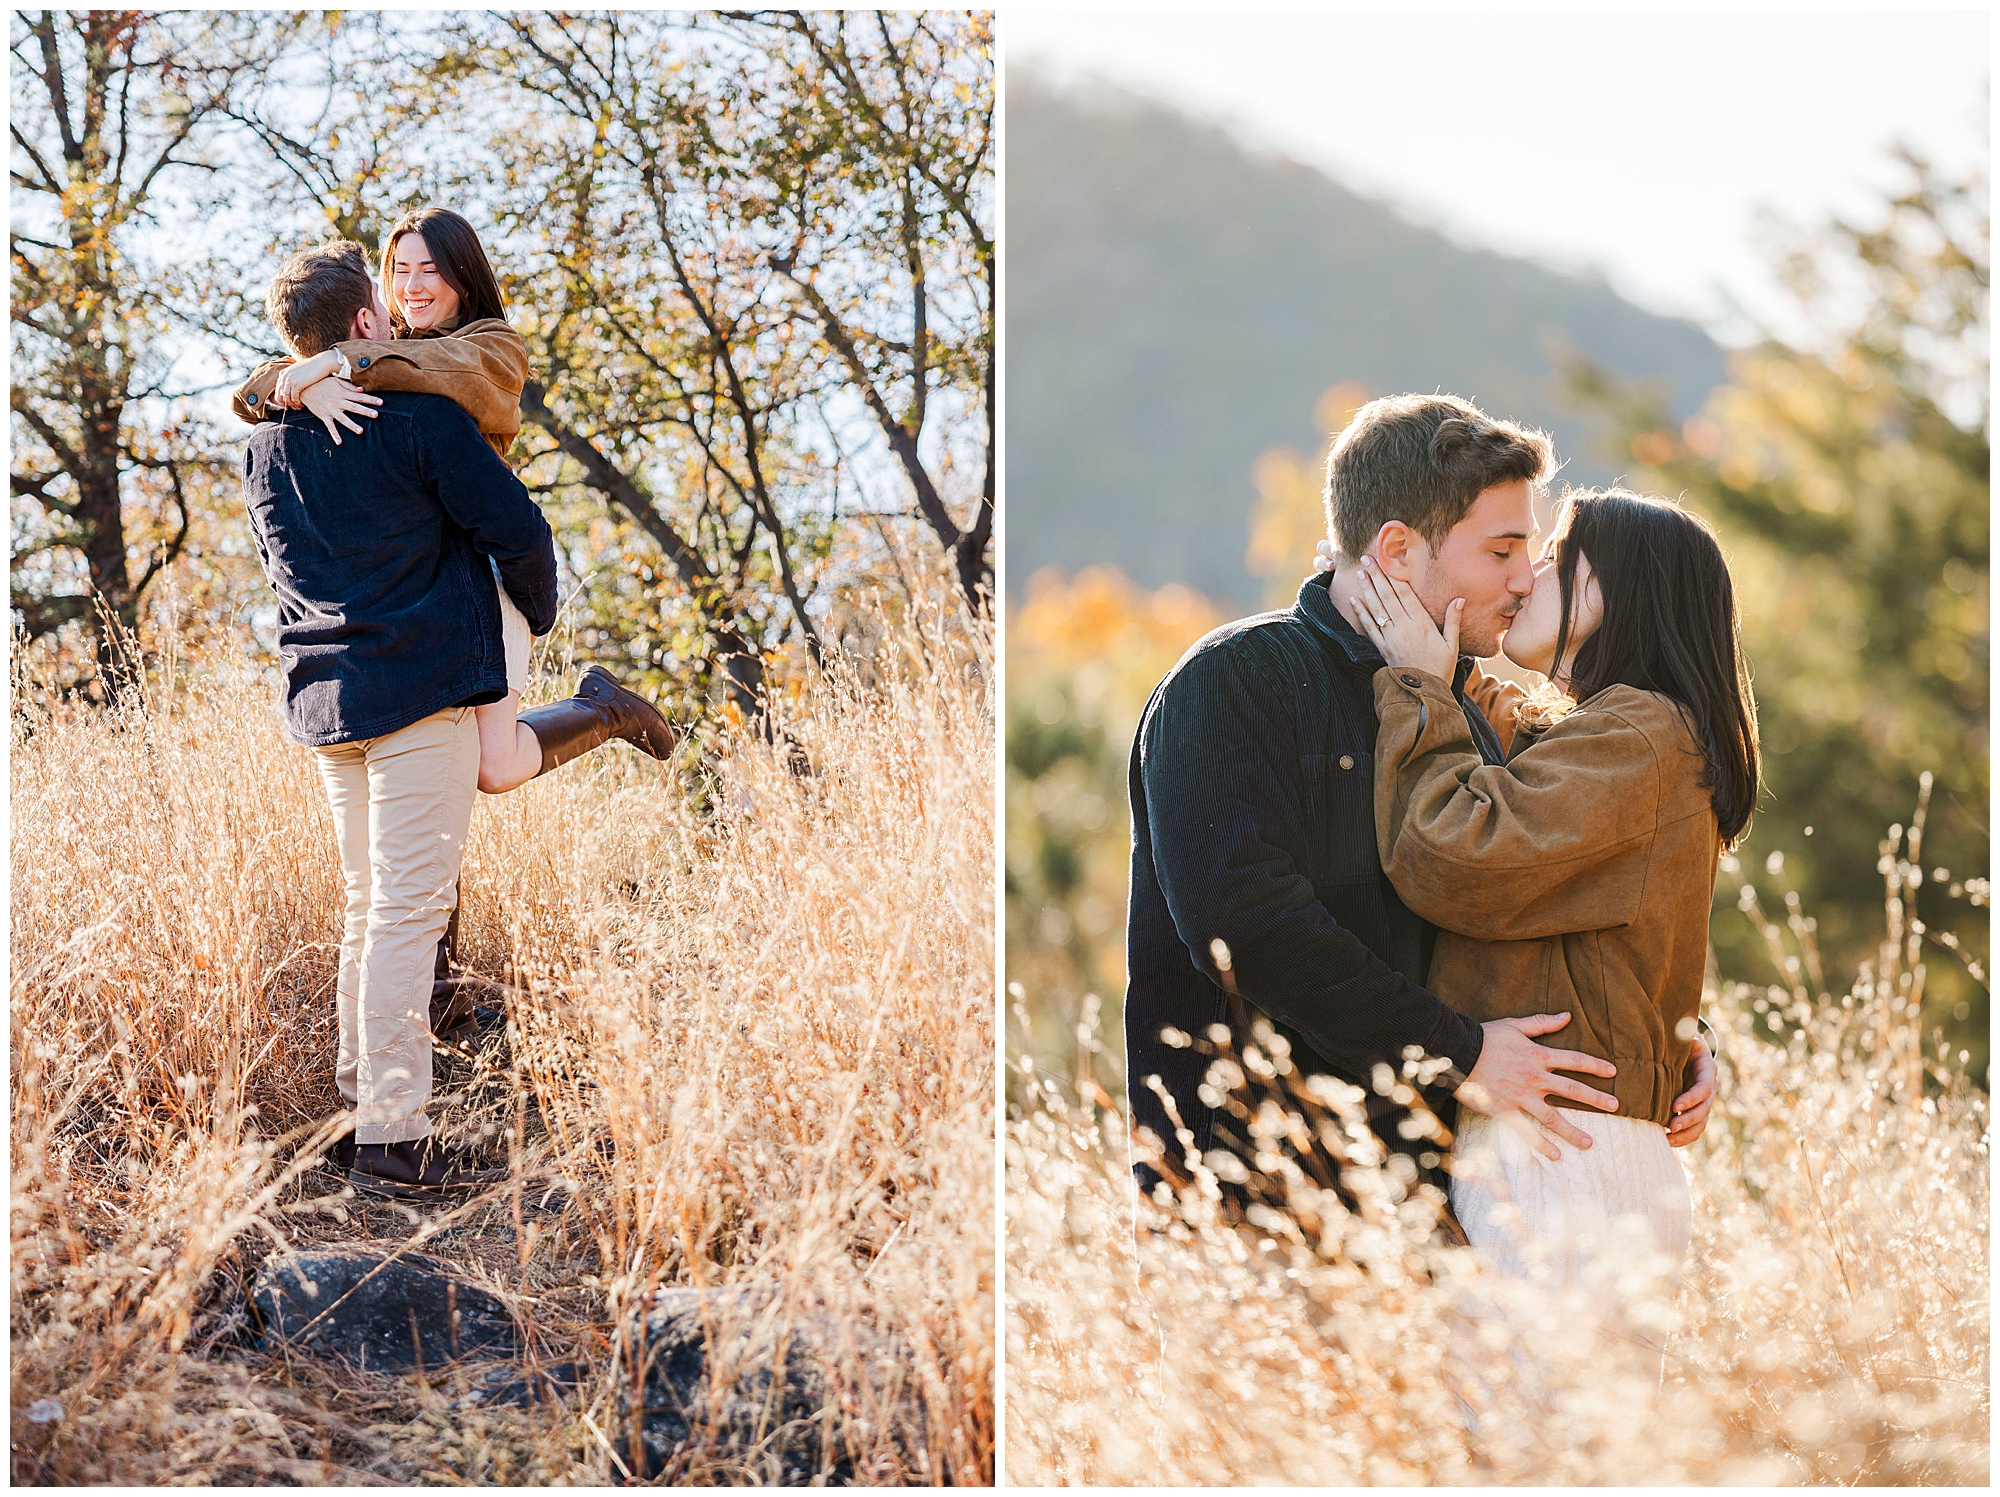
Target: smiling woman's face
[417, 289]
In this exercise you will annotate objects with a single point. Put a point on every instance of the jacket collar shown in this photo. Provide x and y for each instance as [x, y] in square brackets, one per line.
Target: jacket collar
[443, 330]
[1316, 608]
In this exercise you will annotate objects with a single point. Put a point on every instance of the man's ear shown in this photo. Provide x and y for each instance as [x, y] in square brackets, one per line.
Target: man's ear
[369, 324]
[1400, 552]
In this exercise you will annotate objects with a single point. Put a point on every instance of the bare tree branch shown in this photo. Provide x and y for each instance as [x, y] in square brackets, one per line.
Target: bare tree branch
[48, 182]
[36, 486]
[166, 554]
[742, 666]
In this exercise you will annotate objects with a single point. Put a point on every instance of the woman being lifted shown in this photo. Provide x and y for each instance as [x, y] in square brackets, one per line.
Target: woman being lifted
[448, 336]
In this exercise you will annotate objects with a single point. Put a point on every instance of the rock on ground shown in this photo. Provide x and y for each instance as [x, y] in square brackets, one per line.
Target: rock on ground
[736, 1390]
[381, 1314]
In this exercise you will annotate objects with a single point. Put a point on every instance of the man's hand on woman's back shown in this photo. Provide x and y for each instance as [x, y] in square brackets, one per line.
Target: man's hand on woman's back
[1692, 1106]
[1515, 1075]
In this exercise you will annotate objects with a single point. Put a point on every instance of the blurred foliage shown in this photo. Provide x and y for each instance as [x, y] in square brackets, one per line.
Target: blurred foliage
[1854, 512]
[1850, 485]
[1289, 517]
[1083, 655]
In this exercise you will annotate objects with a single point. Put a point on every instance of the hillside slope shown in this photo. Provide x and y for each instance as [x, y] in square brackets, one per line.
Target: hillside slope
[1177, 304]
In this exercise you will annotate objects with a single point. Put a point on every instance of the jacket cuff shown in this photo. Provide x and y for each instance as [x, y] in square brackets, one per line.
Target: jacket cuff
[364, 354]
[251, 400]
[1401, 689]
[1459, 1039]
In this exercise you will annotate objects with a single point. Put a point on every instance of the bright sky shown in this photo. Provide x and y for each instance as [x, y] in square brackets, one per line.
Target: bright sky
[1642, 144]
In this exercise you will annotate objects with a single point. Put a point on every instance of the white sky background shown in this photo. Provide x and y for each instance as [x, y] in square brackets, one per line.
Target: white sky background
[1639, 144]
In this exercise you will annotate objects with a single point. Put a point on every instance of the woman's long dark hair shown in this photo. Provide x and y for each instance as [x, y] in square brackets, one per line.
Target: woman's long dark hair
[461, 262]
[1669, 625]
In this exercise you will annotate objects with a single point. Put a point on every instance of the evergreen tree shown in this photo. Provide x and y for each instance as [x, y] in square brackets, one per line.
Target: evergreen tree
[1849, 482]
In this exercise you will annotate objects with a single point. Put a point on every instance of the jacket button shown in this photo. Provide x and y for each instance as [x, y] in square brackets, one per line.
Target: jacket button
[365, 362]
[251, 398]
[1347, 761]
[1411, 681]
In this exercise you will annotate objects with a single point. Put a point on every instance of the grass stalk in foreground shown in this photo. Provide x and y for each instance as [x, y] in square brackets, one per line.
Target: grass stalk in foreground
[1831, 1325]
[751, 1044]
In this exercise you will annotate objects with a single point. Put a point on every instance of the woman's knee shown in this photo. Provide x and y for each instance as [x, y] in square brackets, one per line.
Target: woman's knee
[499, 775]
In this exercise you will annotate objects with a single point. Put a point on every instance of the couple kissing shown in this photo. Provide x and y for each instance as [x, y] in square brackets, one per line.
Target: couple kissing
[1341, 819]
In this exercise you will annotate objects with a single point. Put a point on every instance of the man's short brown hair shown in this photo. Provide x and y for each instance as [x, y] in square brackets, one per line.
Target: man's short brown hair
[316, 294]
[1422, 459]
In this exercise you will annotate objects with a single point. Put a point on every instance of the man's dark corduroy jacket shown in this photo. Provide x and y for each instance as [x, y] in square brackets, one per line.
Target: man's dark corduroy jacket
[1252, 783]
[378, 551]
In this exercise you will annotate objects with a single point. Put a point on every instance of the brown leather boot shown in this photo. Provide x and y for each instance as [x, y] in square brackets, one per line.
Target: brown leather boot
[453, 1000]
[451, 993]
[600, 711]
[421, 1169]
[447, 952]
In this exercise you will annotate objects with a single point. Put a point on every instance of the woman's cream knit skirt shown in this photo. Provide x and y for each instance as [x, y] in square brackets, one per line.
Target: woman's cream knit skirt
[1545, 1220]
[1576, 1227]
[515, 635]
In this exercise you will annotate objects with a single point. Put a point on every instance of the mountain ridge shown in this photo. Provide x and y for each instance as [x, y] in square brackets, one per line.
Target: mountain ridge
[1178, 301]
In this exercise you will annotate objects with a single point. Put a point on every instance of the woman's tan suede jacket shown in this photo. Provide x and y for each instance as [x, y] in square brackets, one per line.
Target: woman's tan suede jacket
[1576, 878]
[482, 366]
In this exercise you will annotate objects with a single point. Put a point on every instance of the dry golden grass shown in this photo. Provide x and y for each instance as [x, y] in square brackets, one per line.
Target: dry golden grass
[771, 998]
[1832, 1325]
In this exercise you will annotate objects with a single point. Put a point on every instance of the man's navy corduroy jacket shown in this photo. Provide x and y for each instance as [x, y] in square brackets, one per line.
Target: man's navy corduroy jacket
[378, 550]
[1252, 784]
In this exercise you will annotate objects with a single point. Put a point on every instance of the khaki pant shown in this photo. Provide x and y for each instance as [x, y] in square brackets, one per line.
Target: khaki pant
[401, 807]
